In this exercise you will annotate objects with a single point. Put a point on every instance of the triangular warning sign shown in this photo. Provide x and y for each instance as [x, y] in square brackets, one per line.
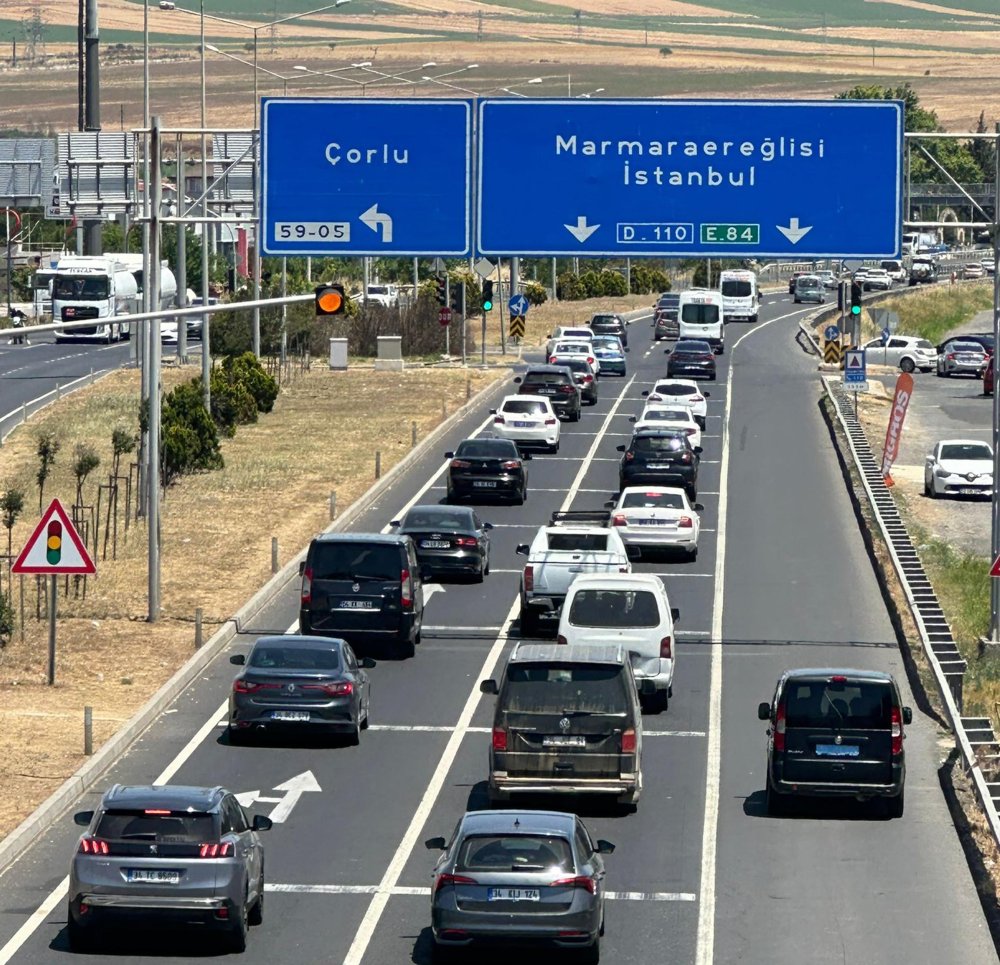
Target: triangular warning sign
[995, 568]
[54, 547]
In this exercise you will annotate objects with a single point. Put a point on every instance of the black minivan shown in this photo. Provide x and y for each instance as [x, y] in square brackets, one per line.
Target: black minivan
[364, 588]
[835, 733]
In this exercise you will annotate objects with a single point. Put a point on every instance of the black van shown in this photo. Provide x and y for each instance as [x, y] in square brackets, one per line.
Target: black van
[567, 721]
[558, 384]
[363, 587]
[836, 733]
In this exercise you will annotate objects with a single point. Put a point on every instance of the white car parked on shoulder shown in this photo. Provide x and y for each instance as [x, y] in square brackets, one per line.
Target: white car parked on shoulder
[632, 609]
[657, 516]
[683, 392]
[657, 416]
[527, 420]
[959, 467]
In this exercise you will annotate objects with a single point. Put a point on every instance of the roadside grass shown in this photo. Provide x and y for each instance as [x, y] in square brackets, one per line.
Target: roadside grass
[933, 313]
[216, 545]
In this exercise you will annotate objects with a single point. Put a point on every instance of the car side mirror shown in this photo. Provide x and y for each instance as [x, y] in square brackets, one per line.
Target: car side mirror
[449, 455]
[632, 418]
[493, 411]
[262, 823]
[83, 818]
[302, 568]
[435, 844]
[698, 450]
[367, 663]
[627, 349]
[487, 526]
[488, 687]
[395, 522]
[675, 613]
[605, 847]
[518, 380]
[522, 549]
[698, 507]
[907, 715]
[646, 392]
[609, 504]
[238, 659]
[707, 395]
[763, 711]
[619, 448]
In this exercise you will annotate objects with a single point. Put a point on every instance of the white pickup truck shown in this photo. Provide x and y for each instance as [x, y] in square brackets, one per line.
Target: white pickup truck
[573, 543]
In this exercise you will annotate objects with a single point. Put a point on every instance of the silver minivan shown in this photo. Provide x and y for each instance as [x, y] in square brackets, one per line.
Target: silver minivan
[809, 288]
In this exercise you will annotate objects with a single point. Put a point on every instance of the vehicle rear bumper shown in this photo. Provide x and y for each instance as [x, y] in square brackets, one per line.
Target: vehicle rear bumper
[458, 928]
[403, 626]
[453, 563]
[655, 536]
[830, 789]
[505, 486]
[504, 784]
[659, 477]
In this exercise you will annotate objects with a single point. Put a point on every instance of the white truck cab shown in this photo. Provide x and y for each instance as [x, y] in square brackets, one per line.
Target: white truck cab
[701, 315]
[740, 296]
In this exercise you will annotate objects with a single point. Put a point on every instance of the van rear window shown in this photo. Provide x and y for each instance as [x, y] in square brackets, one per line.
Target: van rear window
[578, 542]
[700, 314]
[614, 608]
[348, 561]
[818, 703]
[556, 687]
[736, 289]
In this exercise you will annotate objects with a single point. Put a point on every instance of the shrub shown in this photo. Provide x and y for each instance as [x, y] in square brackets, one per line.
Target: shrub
[613, 283]
[570, 287]
[189, 440]
[535, 293]
[232, 403]
[247, 370]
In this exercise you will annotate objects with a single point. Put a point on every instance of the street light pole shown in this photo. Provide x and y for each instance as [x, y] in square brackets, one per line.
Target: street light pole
[206, 319]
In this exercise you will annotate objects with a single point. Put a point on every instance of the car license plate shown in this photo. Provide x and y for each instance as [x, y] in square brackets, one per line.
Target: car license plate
[434, 544]
[155, 876]
[970, 492]
[837, 750]
[546, 390]
[357, 605]
[290, 715]
[484, 483]
[657, 465]
[512, 894]
[651, 522]
[564, 740]
[523, 425]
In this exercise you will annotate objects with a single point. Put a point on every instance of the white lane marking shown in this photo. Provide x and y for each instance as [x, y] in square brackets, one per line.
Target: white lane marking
[536, 489]
[430, 484]
[673, 733]
[492, 630]
[373, 914]
[423, 892]
[426, 728]
[664, 576]
[705, 947]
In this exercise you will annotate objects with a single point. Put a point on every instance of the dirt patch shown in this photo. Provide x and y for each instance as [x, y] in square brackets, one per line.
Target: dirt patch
[936, 8]
[216, 546]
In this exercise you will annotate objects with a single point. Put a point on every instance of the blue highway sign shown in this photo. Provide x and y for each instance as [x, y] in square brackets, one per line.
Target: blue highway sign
[692, 178]
[886, 335]
[854, 366]
[518, 305]
[365, 177]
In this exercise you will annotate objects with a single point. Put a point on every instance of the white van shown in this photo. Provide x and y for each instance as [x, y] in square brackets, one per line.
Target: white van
[895, 269]
[701, 315]
[631, 609]
[740, 297]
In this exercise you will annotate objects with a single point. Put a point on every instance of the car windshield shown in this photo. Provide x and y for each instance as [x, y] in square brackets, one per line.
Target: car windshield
[420, 518]
[82, 287]
[282, 657]
[514, 852]
[966, 450]
[350, 560]
[487, 449]
[653, 500]
[159, 825]
[614, 608]
[807, 281]
[691, 346]
[736, 289]
[965, 347]
[525, 407]
[605, 320]
[819, 703]
[699, 314]
[577, 542]
[557, 687]
[659, 443]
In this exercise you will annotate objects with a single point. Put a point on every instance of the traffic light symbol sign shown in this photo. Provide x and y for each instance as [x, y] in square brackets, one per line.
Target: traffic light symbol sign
[53, 542]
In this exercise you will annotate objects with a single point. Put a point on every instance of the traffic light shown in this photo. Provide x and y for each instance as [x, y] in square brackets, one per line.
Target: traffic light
[458, 298]
[855, 298]
[441, 289]
[330, 300]
[487, 296]
[53, 543]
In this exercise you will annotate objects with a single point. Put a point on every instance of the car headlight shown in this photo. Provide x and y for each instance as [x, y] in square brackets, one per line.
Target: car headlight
[941, 472]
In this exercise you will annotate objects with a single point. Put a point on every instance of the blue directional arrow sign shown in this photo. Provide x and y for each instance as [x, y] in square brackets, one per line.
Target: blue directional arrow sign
[886, 335]
[365, 177]
[692, 178]
[518, 305]
[831, 332]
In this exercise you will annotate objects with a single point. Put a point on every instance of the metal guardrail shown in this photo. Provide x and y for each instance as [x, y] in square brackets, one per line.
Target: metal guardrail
[974, 737]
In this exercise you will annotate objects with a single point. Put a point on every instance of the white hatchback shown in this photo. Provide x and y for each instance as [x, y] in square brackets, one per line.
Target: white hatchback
[959, 467]
[658, 416]
[682, 392]
[632, 609]
[575, 348]
[527, 420]
[657, 516]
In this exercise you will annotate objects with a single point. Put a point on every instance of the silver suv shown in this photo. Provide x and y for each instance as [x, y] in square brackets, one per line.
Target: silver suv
[172, 853]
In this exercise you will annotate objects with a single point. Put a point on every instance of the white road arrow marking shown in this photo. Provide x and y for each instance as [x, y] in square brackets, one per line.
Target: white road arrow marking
[430, 590]
[373, 218]
[294, 788]
[793, 232]
[582, 231]
[249, 798]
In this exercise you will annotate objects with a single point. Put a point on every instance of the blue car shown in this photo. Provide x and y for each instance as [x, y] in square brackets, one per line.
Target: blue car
[609, 352]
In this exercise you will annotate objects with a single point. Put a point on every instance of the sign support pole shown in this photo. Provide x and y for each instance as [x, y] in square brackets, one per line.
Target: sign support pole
[447, 301]
[53, 587]
[995, 507]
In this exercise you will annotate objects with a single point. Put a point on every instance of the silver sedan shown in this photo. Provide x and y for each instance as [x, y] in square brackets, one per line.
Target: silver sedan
[519, 878]
[961, 358]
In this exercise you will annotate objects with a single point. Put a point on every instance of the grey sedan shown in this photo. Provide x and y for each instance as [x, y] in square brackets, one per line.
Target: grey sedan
[300, 682]
[528, 878]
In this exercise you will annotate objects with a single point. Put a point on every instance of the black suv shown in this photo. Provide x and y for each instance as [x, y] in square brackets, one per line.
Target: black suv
[558, 385]
[363, 587]
[607, 323]
[693, 358]
[835, 733]
[660, 457]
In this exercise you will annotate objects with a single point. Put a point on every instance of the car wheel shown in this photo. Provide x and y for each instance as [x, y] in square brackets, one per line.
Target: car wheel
[774, 802]
[530, 623]
[797, 302]
[480, 574]
[405, 647]
[441, 954]
[927, 488]
[659, 702]
[256, 915]
[907, 365]
[354, 734]
[931, 491]
[591, 955]
[239, 736]
[237, 937]
[81, 938]
[693, 553]
[894, 806]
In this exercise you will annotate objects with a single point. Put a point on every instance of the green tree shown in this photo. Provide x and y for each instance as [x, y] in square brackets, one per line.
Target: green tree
[85, 461]
[11, 506]
[47, 447]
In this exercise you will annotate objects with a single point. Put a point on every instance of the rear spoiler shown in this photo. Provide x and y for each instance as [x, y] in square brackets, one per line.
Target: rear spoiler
[599, 517]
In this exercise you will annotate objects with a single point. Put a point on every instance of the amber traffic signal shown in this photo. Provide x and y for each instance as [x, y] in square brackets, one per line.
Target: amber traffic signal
[329, 300]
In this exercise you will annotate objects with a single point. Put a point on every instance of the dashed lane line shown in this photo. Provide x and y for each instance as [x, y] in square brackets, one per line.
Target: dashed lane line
[419, 892]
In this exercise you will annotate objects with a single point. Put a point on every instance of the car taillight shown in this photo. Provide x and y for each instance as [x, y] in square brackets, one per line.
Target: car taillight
[629, 456]
[654, 397]
[697, 398]
[242, 686]
[460, 464]
[619, 520]
[666, 648]
[561, 640]
[897, 731]
[588, 378]
[498, 421]
[93, 846]
[445, 879]
[221, 850]
[307, 581]
[529, 578]
[591, 360]
[686, 457]
[499, 739]
[550, 421]
[405, 590]
[628, 741]
[511, 464]
[567, 389]
[552, 360]
[779, 728]
[340, 688]
[579, 881]
[708, 358]
[685, 522]
[950, 355]
[466, 541]
[691, 432]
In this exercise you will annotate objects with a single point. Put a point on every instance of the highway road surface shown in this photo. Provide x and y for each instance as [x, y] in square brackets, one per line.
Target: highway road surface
[700, 874]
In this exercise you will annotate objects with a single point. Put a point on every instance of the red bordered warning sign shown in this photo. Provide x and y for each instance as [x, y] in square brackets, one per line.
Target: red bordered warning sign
[995, 568]
[54, 547]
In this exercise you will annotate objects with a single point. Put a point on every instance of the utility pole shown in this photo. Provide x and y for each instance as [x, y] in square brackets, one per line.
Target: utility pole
[92, 244]
[81, 61]
[153, 364]
[995, 509]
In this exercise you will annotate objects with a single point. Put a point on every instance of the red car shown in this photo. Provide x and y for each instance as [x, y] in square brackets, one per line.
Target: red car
[988, 377]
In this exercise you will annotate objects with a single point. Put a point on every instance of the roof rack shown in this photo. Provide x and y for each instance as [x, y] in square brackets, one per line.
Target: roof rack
[600, 517]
